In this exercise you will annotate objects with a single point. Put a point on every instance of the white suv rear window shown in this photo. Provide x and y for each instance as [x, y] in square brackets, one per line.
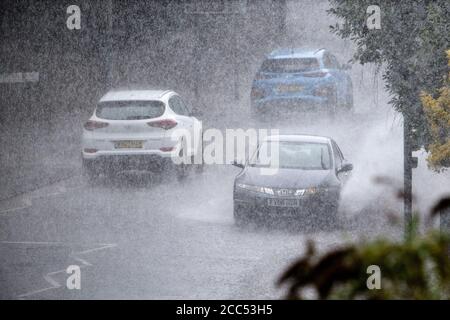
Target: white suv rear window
[130, 110]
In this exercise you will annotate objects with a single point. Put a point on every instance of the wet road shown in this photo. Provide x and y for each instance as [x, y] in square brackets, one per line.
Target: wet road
[138, 238]
[145, 241]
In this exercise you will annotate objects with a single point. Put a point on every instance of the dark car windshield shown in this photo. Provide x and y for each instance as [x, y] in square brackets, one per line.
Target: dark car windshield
[293, 155]
[130, 110]
[289, 65]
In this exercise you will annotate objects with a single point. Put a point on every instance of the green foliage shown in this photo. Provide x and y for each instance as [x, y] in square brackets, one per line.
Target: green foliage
[410, 46]
[418, 267]
[437, 111]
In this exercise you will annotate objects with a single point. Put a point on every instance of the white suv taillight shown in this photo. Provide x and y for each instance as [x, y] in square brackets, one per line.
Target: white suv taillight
[92, 125]
[165, 124]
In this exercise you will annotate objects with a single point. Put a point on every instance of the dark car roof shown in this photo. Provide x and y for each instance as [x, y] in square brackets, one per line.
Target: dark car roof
[299, 138]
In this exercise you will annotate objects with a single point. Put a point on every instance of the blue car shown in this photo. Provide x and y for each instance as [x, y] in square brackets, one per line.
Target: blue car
[301, 80]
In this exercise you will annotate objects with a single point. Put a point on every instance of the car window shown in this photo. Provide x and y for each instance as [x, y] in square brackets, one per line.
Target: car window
[289, 65]
[294, 155]
[173, 104]
[334, 62]
[338, 157]
[178, 106]
[129, 110]
[330, 61]
[340, 151]
[184, 107]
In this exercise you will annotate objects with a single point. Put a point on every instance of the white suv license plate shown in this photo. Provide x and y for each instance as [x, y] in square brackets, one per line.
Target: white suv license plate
[129, 144]
[291, 203]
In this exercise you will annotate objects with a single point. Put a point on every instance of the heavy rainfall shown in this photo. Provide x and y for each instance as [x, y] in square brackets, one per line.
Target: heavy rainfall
[90, 92]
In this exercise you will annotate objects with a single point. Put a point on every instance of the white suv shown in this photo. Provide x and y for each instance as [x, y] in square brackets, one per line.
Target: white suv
[135, 129]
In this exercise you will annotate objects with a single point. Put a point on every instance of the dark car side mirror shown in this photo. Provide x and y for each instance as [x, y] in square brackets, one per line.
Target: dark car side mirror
[238, 164]
[346, 167]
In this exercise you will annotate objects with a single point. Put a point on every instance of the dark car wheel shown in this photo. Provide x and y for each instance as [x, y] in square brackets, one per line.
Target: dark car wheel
[199, 168]
[328, 217]
[241, 217]
[181, 170]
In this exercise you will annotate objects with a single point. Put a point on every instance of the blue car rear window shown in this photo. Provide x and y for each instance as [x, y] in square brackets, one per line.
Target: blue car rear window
[290, 65]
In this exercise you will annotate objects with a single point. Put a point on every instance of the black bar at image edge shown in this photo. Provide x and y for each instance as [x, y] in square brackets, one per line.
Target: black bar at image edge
[214, 309]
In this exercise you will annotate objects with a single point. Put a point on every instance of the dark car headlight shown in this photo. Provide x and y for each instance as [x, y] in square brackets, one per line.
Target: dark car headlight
[312, 191]
[255, 188]
[306, 192]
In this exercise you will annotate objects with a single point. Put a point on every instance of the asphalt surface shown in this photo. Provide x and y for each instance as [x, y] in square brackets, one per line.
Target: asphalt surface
[137, 237]
[148, 240]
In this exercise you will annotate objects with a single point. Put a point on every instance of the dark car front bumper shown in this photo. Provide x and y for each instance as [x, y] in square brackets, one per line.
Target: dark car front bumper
[257, 205]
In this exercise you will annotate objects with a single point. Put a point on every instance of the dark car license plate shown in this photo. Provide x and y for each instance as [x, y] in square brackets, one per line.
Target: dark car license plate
[283, 202]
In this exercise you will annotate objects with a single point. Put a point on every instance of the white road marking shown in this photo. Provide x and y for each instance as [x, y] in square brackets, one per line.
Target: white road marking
[54, 284]
[14, 209]
[27, 201]
[34, 243]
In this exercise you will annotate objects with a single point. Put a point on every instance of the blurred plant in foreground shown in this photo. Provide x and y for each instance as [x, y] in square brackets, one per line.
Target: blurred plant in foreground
[418, 267]
[438, 116]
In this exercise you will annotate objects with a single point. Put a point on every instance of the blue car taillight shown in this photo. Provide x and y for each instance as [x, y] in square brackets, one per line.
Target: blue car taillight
[257, 93]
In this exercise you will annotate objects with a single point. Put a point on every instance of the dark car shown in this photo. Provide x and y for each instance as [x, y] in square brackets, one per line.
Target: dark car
[301, 80]
[305, 181]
